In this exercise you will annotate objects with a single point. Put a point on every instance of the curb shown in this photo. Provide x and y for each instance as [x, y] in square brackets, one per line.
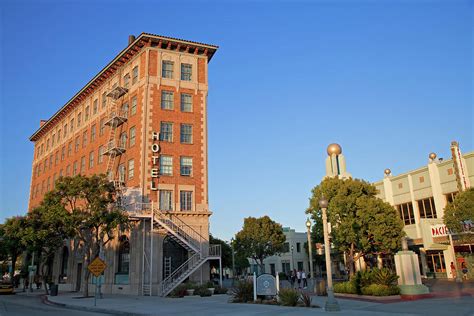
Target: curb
[46, 301]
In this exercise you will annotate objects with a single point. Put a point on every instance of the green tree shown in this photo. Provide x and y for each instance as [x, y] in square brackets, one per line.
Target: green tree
[47, 226]
[95, 215]
[11, 234]
[459, 214]
[259, 238]
[362, 224]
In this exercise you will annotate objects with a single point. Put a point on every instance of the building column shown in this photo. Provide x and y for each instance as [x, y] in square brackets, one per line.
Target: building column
[424, 265]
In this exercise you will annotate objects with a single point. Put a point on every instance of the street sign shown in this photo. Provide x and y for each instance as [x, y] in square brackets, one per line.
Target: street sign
[97, 266]
[266, 285]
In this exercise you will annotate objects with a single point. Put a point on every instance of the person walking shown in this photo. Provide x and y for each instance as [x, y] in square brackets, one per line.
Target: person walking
[298, 275]
[292, 278]
[305, 281]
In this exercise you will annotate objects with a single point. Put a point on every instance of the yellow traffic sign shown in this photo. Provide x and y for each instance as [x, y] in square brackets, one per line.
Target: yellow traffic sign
[97, 266]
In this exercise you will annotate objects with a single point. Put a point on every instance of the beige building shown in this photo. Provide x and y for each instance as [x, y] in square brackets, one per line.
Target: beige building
[420, 197]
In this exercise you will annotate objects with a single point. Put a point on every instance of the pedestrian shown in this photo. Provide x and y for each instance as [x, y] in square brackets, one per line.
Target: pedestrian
[293, 278]
[453, 270]
[464, 270]
[305, 281]
[298, 275]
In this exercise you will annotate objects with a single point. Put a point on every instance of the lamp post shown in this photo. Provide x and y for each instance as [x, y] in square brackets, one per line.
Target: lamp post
[310, 249]
[331, 303]
[292, 261]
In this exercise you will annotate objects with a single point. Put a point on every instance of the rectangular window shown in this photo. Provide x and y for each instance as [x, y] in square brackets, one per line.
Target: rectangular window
[166, 131]
[167, 100]
[45, 165]
[65, 130]
[186, 134]
[69, 149]
[450, 196]
[59, 135]
[93, 133]
[186, 71]
[406, 213]
[298, 246]
[95, 106]
[79, 115]
[186, 200]
[76, 146]
[86, 114]
[47, 185]
[166, 200]
[74, 169]
[126, 81]
[132, 136]
[53, 137]
[63, 153]
[84, 139]
[166, 165]
[102, 126]
[47, 144]
[91, 159]
[71, 125]
[56, 158]
[104, 100]
[131, 169]
[186, 166]
[61, 173]
[51, 162]
[68, 170]
[83, 164]
[427, 208]
[101, 154]
[167, 69]
[124, 110]
[123, 140]
[121, 171]
[186, 102]
[133, 109]
[286, 247]
[135, 75]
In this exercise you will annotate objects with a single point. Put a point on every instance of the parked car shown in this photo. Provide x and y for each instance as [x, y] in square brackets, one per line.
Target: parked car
[6, 287]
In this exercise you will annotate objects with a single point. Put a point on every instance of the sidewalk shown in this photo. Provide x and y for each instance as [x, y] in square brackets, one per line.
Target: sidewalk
[197, 306]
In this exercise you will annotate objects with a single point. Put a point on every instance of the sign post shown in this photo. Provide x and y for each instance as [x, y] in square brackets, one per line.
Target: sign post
[97, 267]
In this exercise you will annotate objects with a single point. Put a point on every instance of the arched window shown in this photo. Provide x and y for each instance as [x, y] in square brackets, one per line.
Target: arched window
[124, 255]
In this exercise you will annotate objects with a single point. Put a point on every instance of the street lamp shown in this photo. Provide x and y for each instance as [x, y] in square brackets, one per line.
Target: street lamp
[292, 261]
[331, 303]
[310, 248]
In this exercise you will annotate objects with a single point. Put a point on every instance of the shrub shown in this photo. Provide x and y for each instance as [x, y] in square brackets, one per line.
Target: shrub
[380, 290]
[205, 292]
[362, 279]
[305, 298]
[191, 286]
[345, 287]
[210, 284]
[282, 276]
[179, 291]
[242, 292]
[384, 277]
[288, 297]
[220, 290]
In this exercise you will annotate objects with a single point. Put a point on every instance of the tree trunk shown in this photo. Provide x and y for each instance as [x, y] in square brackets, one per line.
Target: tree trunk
[86, 273]
[351, 261]
[45, 278]
[14, 257]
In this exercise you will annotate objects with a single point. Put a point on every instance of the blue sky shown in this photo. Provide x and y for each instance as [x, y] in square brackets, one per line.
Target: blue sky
[390, 81]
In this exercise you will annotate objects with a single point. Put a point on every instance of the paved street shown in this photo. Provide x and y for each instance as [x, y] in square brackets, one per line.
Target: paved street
[16, 305]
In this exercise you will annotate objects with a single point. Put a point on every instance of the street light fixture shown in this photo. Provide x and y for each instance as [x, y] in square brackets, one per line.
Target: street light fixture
[310, 249]
[292, 261]
[331, 303]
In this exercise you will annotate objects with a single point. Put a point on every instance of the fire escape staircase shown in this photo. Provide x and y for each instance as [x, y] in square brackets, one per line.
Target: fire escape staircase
[189, 239]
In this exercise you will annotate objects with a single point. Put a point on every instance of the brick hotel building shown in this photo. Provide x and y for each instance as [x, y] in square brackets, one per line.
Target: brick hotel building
[142, 120]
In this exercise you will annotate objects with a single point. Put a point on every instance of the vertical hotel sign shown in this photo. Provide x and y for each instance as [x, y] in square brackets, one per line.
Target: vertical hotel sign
[461, 179]
[155, 157]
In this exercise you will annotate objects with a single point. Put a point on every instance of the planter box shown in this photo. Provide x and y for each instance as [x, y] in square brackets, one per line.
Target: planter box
[369, 297]
[190, 292]
[211, 289]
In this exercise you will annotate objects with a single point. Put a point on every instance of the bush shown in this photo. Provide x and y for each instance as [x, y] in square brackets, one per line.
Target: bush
[288, 297]
[242, 292]
[362, 279]
[380, 290]
[210, 284]
[205, 292]
[220, 290]
[282, 276]
[348, 287]
[384, 277]
[179, 291]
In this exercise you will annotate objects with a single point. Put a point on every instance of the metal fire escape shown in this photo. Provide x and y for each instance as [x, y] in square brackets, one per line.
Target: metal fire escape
[199, 251]
[114, 146]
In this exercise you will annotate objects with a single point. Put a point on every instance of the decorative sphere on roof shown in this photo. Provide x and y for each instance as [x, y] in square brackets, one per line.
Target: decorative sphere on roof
[432, 156]
[387, 171]
[334, 149]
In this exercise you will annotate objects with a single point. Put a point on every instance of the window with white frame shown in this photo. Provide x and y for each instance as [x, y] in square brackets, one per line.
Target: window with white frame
[131, 169]
[167, 69]
[427, 208]
[186, 72]
[102, 127]
[135, 75]
[186, 136]
[186, 200]
[83, 164]
[167, 100]
[186, 102]
[166, 200]
[79, 116]
[93, 133]
[132, 136]
[166, 131]
[123, 140]
[126, 81]
[95, 106]
[186, 166]
[104, 100]
[133, 109]
[91, 159]
[101, 154]
[124, 110]
[121, 171]
[86, 114]
[166, 165]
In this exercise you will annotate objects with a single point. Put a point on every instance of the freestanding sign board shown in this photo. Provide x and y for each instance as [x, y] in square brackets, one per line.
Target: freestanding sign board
[266, 285]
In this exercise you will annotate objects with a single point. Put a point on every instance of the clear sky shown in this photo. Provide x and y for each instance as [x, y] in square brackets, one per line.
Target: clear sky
[391, 81]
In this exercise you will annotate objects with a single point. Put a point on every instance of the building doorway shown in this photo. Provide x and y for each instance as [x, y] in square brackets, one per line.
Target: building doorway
[174, 255]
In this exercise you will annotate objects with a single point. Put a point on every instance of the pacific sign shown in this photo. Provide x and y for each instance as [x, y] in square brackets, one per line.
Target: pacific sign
[440, 230]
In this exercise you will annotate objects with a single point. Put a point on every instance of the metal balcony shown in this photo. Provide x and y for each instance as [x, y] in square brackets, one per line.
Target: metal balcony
[116, 118]
[113, 149]
[117, 92]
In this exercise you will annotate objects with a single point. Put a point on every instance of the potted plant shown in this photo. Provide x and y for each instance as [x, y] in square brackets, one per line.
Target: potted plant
[190, 288]
[210, 286]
